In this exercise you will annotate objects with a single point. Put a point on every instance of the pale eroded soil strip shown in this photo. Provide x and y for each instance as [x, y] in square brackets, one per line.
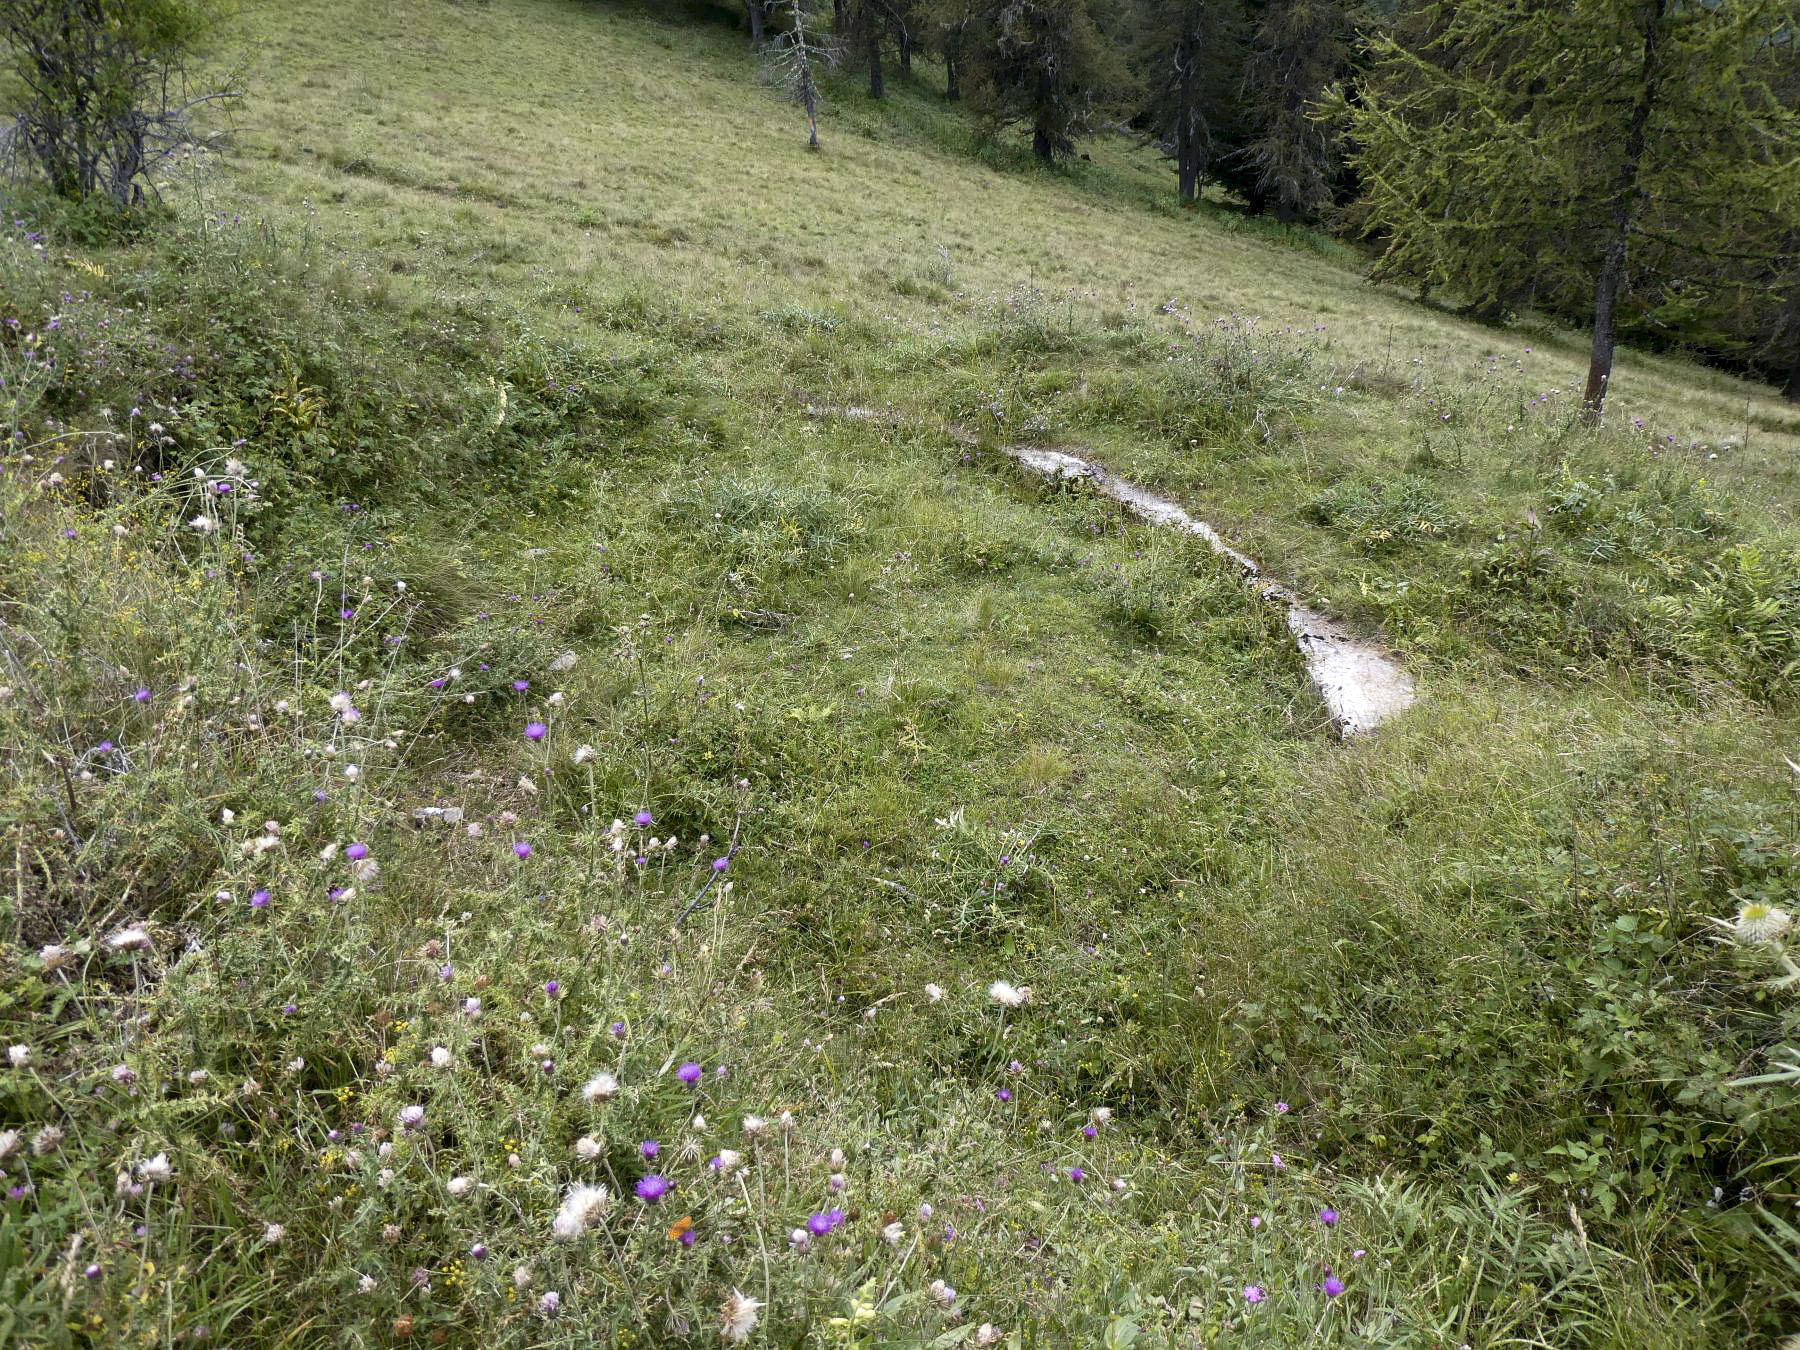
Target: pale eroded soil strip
[1360, 685]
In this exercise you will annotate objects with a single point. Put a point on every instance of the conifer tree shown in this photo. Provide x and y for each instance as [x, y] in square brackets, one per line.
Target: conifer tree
[1043, 63]
[1604, 152]
[1184, 56]
[1299, 49]
[951, 27]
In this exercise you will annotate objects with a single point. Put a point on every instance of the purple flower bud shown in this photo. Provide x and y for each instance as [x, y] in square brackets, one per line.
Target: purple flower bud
[720, 864]
[259, 900]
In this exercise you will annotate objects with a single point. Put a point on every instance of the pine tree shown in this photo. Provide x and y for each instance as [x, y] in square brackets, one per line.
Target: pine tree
[1603, 152]
[1043, 63]
[1185, 57]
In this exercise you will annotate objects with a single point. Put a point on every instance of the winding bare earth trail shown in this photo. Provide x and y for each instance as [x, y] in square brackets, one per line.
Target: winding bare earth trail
[1360, 684]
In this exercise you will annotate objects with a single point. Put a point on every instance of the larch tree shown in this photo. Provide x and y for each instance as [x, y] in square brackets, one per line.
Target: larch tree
[794, 59]
[1044, 64]
[1608, 150]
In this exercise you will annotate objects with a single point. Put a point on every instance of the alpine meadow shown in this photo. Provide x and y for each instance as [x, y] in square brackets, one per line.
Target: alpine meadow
[900, 673]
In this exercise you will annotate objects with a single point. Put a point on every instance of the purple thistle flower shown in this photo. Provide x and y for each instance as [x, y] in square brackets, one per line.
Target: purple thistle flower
[650, 1148]
[357, 852]
[259, 900]
[652, 1188]
[689, 1072]
[720, 864]
[1076, 1174]
[1004, 1094]
[818, 1224]
[618, 1031]
[520, 686]
[552, 988]
[1254, 1293]
[687, 1238]
[534, 731]
[1333, 1286]
[643, 817]
[1328, 1217]
[346, 613]
[1090, 1132]
[522, 850]
[142, 696]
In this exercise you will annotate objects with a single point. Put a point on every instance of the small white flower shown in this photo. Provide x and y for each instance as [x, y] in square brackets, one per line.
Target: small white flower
[521, 1277]
[440, 1057]
[385, 1177]
[471, 1007]
[197, 1077]
[204, 524]
[9, 1144]
[893, 1234]
[583, 753]
[800, 1239]
[342, 703]
[135, 938]
[20, 1055]
[1758, 923]
[582, 1208]
[411, 1117]
[987, 1334]
[273, 1233]
[55, 957]
[156, 1169]
[755, 1127]
[457, 1187]
[737, 1316]
[602, 1087]
[296, 1065]
[1009, 995]
[366, 1285]
[550, 1304]
[934, 992]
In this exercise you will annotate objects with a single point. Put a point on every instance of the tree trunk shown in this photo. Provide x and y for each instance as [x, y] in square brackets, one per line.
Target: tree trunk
[1612, 265]
[1791, 390]
[952, 79]
[1041, 144]
[877, 89]
[905, 49]
[755, 11]
[1187, 147]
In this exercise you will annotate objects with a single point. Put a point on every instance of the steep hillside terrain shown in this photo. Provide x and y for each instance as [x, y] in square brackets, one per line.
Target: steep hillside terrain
[529, 665]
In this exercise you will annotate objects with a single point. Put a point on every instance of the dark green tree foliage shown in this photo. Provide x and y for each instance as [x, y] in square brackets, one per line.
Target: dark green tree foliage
[1185, 57]
[864, 27]
[950, 28]
[1044, 64]
[1617, 156]
[99, 94]
[1300, 48]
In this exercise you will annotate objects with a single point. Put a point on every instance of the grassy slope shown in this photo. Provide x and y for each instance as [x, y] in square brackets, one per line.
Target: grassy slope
[1453, 947]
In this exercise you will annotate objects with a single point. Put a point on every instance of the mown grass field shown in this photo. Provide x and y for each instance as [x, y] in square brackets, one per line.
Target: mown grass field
[514, 344]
